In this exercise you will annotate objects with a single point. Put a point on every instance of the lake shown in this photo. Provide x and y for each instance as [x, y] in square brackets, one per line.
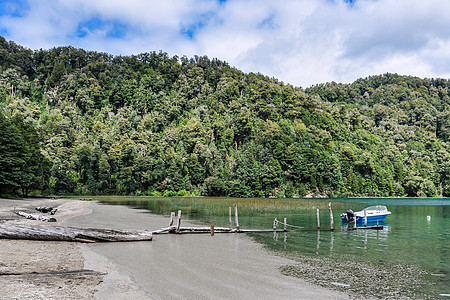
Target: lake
[408, 258]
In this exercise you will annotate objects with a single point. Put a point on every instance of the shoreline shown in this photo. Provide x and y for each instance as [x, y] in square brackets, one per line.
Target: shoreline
[44, 269]
[169, 267]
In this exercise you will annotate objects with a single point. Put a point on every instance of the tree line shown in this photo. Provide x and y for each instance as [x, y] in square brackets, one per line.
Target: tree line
[83, 122]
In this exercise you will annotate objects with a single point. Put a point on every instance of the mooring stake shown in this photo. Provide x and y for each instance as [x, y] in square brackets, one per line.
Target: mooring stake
[365, 218]
[236, 217]
[172, 217]
[331, 217]
[318, 219]
[178, 222]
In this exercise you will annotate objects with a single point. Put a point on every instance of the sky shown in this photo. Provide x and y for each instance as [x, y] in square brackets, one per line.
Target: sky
[299, 42]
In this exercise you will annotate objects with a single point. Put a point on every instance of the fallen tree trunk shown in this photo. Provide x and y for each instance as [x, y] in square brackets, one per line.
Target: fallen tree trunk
[70, 234]
[35, 217]
[46, 209]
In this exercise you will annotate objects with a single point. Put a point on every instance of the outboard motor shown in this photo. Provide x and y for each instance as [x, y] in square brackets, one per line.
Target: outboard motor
[350, 216]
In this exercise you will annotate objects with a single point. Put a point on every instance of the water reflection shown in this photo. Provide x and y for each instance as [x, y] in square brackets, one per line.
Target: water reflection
[331, 241]
[318, 241]
[408, 238]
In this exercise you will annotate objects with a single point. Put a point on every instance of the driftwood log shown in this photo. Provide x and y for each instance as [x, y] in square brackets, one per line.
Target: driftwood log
[35, 217]
[70, 234]
[46, 209]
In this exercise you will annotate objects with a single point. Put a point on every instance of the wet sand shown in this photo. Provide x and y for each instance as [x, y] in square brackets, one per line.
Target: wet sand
[190, 266]
[224, 266]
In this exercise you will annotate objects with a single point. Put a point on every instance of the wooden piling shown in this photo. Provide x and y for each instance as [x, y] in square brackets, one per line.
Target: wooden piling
[331, 217]
[365, 218]
[275, 224]
[229, 214]
[236, 217]
[285, 224]
[172, 217]
[318, 219]
[178, 222]
[212, 230]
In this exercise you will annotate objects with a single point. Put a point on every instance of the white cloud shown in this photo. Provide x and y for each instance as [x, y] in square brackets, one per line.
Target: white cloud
[301, 42]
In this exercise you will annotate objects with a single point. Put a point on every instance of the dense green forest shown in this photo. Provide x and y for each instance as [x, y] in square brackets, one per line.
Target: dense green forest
[81, 122]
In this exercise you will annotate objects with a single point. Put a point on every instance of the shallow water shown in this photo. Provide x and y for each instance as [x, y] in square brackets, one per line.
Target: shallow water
[409, 258]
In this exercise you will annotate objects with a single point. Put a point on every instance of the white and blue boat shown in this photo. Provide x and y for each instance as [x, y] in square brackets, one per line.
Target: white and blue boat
[373, 213]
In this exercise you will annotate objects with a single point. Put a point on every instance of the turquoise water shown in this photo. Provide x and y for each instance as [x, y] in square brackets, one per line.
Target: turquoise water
[408, 258]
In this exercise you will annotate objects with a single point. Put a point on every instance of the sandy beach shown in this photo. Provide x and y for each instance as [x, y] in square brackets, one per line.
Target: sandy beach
[224, 266]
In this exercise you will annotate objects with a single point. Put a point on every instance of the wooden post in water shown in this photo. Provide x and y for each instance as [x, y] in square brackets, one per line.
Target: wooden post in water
[331, 217]
[212, 230]
[285, 223]
[318, 219]
[275, 224]
[178, 222]
[236, 218]
[172, 217]
[365, 218]
[229, 214]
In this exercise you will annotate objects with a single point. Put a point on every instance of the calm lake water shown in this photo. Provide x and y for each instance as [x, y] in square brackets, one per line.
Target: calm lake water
[409, 258]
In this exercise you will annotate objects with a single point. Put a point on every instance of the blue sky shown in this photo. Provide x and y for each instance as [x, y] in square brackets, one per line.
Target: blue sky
[301, 42]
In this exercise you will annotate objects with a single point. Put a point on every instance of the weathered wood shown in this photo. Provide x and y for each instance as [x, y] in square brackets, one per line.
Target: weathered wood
[164, 230]
[318, 219]
[285, 224]
[70, 234]
[365, 218]
[206, 229]
[275, 224]
[331, 217]
[35, 217]
[184, 230]
[46, 209]
[229, 217]
[236, 217]
[172, 217]
[178, 222]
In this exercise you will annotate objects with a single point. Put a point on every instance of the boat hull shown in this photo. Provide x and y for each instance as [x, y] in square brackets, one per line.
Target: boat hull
[371, 219]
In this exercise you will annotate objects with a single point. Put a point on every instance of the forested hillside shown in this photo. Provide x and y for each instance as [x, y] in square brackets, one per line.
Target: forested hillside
[152, 124]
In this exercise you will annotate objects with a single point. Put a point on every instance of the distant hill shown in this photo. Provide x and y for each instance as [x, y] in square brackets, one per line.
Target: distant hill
[151, 124]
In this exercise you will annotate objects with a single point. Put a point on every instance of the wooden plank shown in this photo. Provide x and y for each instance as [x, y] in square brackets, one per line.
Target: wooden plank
[70, 234]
